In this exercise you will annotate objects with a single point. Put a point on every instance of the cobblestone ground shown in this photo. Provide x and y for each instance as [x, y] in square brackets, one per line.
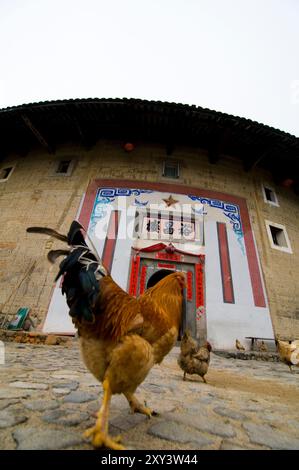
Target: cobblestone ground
[48, 398]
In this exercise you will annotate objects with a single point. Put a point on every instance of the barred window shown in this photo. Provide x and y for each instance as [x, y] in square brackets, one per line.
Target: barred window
[170, 169]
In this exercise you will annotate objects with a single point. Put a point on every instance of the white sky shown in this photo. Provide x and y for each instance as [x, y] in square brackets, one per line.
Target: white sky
[236, 56]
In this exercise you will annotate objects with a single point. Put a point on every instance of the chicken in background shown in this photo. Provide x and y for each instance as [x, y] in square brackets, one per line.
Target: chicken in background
[121, 337]
[239, 345]
[194, 359]
[289, 352]
[262, 347]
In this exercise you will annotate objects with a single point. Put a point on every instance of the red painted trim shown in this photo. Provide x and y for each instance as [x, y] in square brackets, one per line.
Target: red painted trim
[134, 275]
[110, 241]
[189, 285]
[142, 279]
[168, 256]
[199, 291]
[253, 264]
[162, 246]
[226, 272]
[255, 275]
[87, 206]
[166, 266]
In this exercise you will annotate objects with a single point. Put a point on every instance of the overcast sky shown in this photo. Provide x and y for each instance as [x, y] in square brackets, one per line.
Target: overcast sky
[236, 56]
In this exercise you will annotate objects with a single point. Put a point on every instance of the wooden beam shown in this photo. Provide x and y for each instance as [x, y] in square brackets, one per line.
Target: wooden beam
[89, 140]
[218, 145]
[78, 128]
[251, 161]
[37, 134]
[169, 149]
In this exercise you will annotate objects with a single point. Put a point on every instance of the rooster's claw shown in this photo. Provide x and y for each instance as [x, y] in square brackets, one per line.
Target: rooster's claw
[100, 439]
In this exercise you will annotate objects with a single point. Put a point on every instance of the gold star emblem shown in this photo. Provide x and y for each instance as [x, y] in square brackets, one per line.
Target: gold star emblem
[170, 201]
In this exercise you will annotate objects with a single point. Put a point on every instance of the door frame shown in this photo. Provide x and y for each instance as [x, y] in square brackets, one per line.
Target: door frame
[137, 280]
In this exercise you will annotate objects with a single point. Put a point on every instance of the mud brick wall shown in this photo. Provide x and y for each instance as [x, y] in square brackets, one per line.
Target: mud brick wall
[35, 195]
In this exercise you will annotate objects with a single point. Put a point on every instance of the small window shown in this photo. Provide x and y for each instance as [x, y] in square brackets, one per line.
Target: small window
[5, 173]
[270, 196]
[278, 237]
[170, 170]
[63, 166]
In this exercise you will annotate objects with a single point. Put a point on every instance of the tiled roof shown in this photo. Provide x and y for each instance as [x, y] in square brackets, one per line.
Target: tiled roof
[85, 121]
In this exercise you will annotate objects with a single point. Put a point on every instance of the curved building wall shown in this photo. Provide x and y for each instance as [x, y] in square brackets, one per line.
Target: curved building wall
[34, 194]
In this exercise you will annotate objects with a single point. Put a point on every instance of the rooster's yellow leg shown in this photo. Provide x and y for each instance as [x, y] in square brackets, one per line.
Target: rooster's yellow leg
[137, 407]
[99, 433]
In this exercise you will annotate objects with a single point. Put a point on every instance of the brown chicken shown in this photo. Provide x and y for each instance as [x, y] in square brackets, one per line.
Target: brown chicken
[239, 345]
[289, 352]
[121, 337]
[194, 359]
[262, 347]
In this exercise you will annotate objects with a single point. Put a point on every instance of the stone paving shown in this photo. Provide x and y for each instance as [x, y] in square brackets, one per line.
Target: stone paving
[48, 398]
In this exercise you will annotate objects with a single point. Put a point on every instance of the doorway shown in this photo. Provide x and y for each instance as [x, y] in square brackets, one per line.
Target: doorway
[151, 270]
[158, 276]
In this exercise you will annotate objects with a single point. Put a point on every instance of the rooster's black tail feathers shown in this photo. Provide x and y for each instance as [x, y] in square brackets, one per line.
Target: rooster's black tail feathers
[54, 254]
[47, 231]
[81, 269]
[75, 236]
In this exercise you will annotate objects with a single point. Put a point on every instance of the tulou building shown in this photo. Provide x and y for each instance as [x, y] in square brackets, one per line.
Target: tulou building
[159, 187]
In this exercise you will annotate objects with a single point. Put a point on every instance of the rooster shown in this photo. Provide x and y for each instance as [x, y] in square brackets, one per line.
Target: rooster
[121, 337]
[289, 352]
[194, 359]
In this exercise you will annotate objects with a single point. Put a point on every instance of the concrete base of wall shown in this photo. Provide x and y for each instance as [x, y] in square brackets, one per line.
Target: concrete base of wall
[249, 355]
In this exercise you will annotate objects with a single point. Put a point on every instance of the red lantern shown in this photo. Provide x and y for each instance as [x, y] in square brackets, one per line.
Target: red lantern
[287, 183]
[128, 146]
